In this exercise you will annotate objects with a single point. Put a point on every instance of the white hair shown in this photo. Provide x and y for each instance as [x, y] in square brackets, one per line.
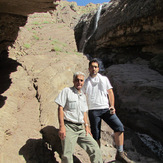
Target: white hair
[78, 73]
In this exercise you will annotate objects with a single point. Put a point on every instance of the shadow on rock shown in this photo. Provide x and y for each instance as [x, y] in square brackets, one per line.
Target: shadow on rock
[35, 150]
[7, 66]
[10, 24]
[2, 100]
[51, 138]
[42, 150]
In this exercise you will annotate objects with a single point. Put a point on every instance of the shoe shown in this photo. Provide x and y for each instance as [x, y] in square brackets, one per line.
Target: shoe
[122, 157]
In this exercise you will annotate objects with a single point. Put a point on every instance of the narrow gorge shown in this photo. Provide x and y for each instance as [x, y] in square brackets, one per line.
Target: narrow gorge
[43, 42]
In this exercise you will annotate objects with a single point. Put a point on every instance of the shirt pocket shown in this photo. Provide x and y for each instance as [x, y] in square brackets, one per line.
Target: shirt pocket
[72, 104]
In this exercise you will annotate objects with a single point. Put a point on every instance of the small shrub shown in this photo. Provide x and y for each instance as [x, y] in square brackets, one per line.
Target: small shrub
[29, 29]
[58, 49]
[40, 27]
[77, 53]
[55, 42]
[35, 23]
[27, 46]
[46, 22]
[36, 37]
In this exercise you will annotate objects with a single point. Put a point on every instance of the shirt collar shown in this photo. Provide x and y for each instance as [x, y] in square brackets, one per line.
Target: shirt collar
[76, 91]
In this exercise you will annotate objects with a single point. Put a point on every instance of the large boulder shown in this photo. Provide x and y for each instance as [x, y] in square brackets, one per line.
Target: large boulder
[139, 93]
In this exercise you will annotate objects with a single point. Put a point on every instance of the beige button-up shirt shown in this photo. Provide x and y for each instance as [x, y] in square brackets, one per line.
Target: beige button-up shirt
[74, 104]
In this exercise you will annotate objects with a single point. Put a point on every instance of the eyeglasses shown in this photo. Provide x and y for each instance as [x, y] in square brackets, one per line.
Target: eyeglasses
[77, 80]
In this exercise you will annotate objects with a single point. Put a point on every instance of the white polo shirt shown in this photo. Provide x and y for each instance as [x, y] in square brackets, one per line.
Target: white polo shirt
[96, 92]
[74, 104]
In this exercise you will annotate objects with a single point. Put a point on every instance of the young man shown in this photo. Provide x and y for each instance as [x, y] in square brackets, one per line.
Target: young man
[100, 98]
[73, 125]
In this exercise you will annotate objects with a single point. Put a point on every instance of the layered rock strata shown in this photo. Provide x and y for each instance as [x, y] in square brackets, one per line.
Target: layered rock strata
[126, 30]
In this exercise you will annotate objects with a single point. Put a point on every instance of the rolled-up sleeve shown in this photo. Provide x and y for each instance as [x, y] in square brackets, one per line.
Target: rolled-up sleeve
[108, 84]
[62, 98]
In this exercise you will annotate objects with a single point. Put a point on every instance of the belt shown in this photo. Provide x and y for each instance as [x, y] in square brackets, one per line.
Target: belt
[73, 123]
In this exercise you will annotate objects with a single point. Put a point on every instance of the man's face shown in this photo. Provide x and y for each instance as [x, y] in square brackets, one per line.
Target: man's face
[78, 82]
[93, 69]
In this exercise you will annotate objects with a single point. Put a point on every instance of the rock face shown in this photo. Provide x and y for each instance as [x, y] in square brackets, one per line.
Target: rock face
[18, 7]
[38, 57]
[126, 30]
[128, 40]
[12, 16]
[139, 92]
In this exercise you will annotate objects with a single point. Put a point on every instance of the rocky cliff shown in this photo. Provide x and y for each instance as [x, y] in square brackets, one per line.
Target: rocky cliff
[126, 31]
[38, 56]
[128, 40]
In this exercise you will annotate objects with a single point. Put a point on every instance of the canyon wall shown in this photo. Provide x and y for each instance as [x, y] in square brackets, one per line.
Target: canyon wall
[129, 41]
[38, 57]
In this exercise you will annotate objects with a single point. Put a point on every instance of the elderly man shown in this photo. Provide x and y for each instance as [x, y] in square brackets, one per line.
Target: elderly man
[100, 99]
[73, 125]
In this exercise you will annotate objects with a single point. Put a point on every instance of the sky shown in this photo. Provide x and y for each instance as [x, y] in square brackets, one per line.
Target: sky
[85, 2]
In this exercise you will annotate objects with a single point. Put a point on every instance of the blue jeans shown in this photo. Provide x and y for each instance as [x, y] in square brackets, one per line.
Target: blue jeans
[95, 117]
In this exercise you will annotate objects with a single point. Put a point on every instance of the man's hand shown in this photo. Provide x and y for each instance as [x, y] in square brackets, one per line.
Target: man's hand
[112, 110]
[62, 133]
[87, 129]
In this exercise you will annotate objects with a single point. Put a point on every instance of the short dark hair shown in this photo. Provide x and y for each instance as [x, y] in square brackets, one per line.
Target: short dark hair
[93, 60]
